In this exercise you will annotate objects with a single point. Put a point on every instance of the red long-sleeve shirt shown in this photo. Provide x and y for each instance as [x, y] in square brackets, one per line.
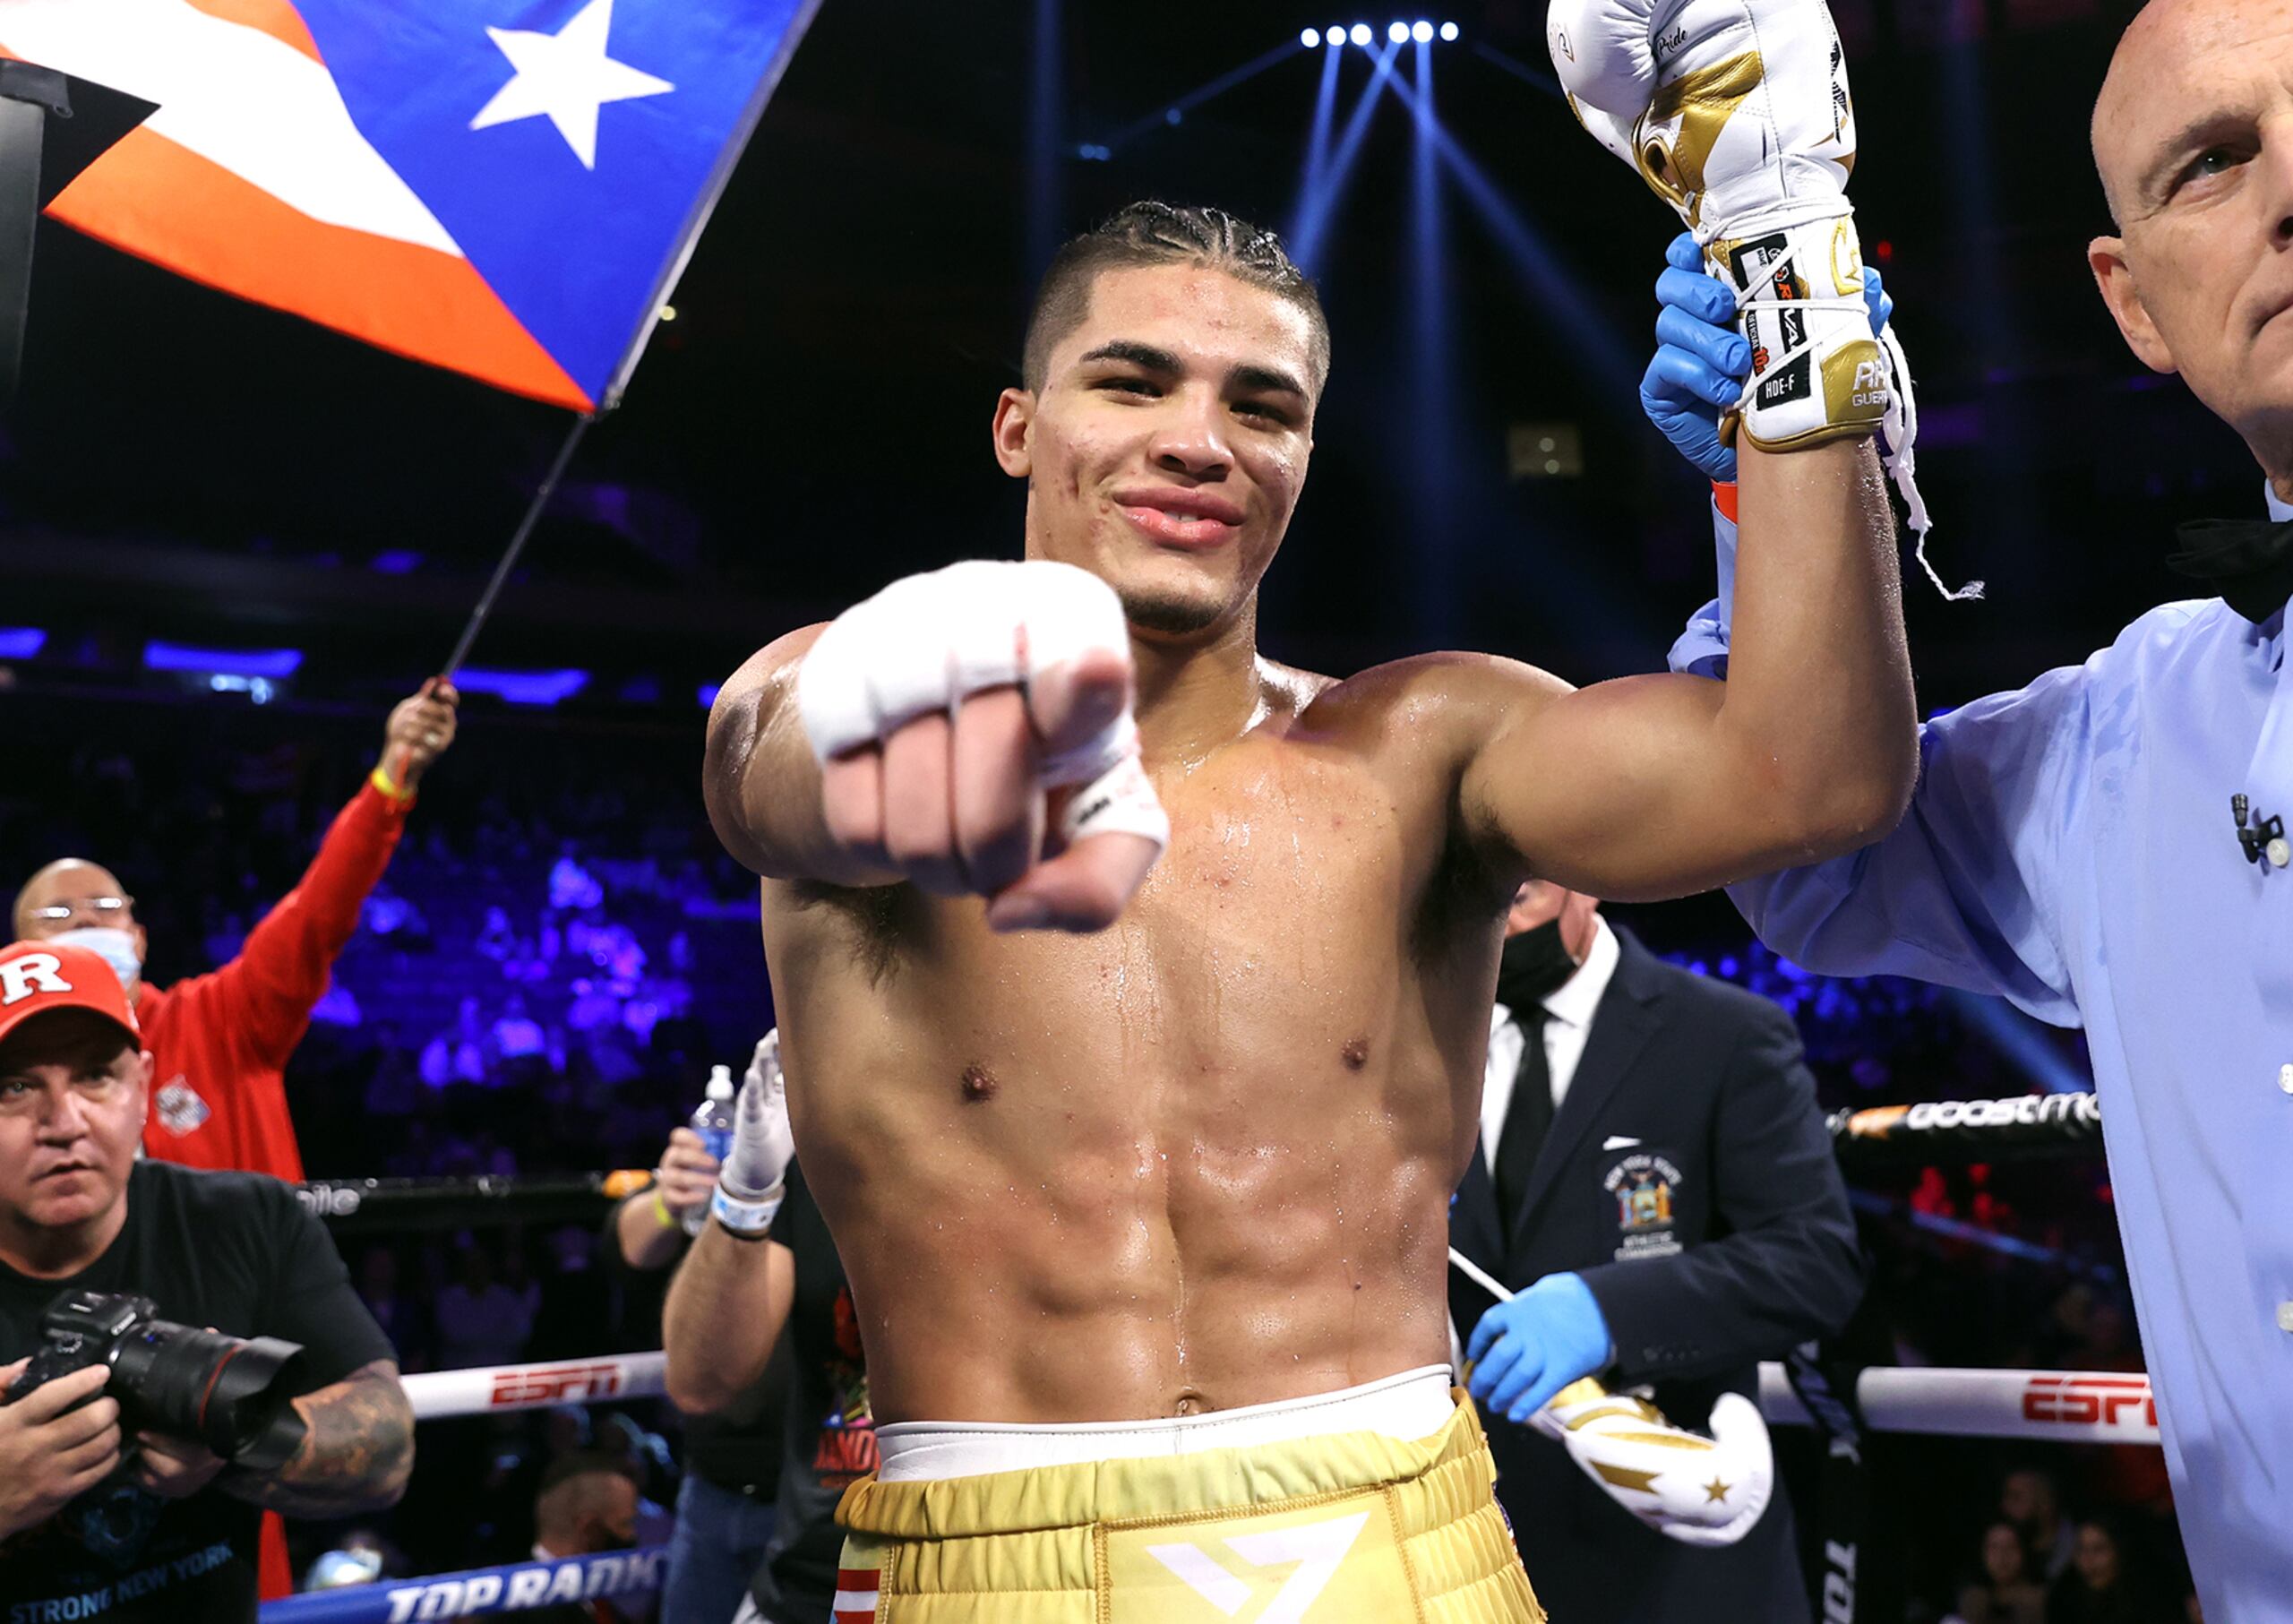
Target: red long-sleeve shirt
[219, 1042]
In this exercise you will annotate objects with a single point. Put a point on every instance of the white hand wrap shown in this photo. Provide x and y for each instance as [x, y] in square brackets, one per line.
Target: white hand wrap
[752, 1183]
[926, 642]
[1696, 1489]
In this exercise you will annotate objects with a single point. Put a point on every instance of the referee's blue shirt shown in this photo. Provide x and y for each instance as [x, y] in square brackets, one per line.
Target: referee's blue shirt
[2070, 847]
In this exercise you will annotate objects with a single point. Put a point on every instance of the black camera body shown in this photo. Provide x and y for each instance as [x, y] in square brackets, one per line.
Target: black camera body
[222, 1391]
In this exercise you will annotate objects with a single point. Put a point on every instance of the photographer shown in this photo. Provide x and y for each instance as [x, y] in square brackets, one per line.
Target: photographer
[115, 1502]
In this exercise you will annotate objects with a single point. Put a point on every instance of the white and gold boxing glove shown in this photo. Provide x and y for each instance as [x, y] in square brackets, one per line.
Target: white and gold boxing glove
[1702, 1489]
[1737, 113]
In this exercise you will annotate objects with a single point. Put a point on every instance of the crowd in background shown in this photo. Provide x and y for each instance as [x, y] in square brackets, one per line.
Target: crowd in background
[558, 954]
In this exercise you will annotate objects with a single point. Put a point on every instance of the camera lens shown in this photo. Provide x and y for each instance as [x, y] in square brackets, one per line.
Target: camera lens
[202, 1384]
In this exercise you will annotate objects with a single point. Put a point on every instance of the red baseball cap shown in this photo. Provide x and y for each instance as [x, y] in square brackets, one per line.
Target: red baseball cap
[38, 976]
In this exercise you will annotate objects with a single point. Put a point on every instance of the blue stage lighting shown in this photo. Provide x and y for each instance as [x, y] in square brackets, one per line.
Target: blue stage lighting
[1449, 31]
[274, 663]
[1422, 31]
[1360, 34]
[523, 687]
[21, 642]
[1396, 32]
[1173, 116]
[1335, 35]
[1309, 37]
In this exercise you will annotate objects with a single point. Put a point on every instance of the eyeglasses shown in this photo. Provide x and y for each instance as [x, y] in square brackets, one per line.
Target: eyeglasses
[102, 907]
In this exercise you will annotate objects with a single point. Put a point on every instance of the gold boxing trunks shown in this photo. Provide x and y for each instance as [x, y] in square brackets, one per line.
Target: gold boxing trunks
[1344, 1528]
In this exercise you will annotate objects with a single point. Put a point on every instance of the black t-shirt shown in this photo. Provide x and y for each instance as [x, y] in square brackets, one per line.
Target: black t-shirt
[831, 1431]
[235, 1250]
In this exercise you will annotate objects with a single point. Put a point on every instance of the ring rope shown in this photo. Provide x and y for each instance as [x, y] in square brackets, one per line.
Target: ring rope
[516, 1588]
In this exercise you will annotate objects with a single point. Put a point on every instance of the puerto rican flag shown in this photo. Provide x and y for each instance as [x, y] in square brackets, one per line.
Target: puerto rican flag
[508, 188]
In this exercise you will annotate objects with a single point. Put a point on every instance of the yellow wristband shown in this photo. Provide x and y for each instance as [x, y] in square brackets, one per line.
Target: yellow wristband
[661, 1212]
[382, 780]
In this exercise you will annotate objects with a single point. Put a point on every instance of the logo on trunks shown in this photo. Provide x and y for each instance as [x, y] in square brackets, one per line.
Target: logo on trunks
[2091, 1401]
[1318, 1548]
[551, 1384]
[1642, 1186]
[181, 1109]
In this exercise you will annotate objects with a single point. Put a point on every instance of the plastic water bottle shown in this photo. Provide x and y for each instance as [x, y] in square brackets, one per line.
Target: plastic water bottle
[712, 1121]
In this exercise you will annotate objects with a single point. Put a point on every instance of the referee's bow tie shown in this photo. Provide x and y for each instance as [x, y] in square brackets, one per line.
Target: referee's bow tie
[2249, 562]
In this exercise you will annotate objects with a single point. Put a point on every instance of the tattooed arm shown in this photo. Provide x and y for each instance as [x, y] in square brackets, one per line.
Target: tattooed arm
[356, 1450]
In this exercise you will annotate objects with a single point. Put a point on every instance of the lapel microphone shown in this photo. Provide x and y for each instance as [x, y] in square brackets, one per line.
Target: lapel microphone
[2262, 840]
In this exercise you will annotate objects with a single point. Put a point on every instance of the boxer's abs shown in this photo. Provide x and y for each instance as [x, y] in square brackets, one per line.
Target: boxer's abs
[1175, 1168]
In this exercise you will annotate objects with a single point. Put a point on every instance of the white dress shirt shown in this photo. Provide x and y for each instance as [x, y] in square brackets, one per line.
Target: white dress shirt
[1570, 1007]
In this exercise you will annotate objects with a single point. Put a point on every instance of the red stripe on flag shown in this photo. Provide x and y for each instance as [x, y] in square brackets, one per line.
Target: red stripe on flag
[857, 1578]
[168, 204]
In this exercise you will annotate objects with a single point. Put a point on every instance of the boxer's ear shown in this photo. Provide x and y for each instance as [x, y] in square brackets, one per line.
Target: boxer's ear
[1015, 418]
[2106, 256]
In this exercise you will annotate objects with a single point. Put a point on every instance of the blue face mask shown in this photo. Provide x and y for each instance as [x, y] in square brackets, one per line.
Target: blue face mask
[113, 946]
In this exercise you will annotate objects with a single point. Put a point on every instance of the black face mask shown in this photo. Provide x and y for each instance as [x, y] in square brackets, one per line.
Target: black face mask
[1534, 964]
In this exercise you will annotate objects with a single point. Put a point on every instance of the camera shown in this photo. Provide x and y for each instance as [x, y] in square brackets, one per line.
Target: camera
[167, 1378]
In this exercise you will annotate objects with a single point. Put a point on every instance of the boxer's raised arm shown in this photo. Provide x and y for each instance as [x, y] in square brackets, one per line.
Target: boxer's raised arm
[1655, 786]
[761, 781]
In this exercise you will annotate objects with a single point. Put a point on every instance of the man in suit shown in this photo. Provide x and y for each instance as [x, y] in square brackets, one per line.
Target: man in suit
[1656, 1181]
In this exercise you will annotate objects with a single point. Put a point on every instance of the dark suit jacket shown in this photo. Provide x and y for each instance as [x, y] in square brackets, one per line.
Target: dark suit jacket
[1720, 1236]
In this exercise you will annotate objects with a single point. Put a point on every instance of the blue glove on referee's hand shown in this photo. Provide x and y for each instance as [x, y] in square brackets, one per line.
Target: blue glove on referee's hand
[1701, 361]
[1525, 1351]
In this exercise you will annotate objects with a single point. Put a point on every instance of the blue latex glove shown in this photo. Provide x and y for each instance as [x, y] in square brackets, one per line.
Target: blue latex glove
[1701, 363]
[1525, 1351]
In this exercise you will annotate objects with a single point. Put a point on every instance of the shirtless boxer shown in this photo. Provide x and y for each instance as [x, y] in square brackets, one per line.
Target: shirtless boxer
[1187, 1149]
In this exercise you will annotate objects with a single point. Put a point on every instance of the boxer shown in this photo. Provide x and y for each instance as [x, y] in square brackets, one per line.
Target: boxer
[1133, 987]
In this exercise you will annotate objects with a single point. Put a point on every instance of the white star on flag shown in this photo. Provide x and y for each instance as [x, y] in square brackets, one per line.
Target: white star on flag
[566, 75]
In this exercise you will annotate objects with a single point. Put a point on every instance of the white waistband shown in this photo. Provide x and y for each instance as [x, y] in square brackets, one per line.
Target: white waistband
[1411, 1406]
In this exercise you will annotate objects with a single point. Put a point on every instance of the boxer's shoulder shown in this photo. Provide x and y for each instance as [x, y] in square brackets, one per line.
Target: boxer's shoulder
[1460, 695]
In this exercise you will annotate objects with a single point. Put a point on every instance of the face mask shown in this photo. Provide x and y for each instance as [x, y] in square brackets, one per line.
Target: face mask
[113, 946]
[1534, 964]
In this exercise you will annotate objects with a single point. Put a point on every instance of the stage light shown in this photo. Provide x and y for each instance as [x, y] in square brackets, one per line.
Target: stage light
[523, 687]
[21, 642]
[1173, 116]
[1335, 35]
[1360, 34]
[1309, 37]
[668, 312]
[1449, 31]
[1396, 32]
[1421, 31]
[272, 663]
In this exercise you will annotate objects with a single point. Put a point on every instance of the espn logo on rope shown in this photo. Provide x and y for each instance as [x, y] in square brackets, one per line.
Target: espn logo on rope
[2115, 1403]
[516, 1389]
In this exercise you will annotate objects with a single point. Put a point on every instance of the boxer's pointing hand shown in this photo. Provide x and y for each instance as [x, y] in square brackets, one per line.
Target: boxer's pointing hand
[952, 714]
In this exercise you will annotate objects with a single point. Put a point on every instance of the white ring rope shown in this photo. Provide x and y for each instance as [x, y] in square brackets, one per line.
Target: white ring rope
[2052, 1406]
[488, 1389]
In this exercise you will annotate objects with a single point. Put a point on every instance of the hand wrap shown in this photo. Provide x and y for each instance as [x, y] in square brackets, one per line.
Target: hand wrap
[925, 643]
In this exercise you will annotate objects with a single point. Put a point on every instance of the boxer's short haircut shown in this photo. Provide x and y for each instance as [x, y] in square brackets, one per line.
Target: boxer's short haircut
[1161, 234]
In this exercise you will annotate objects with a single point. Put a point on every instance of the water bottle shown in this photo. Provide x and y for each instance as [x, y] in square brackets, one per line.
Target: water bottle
[712, 1121]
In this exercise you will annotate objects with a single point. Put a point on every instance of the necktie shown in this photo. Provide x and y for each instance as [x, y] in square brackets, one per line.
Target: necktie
[1527, 1118]
[2248, 561]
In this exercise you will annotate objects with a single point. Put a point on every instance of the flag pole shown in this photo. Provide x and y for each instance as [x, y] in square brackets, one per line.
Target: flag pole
[518, 538]
[547, 488]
